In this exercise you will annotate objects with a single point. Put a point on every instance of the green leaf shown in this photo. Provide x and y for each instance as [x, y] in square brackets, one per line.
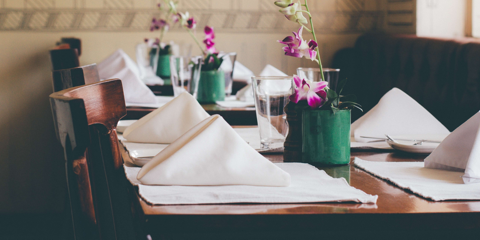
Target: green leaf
[334, 109]
[350, 97]
[331, 95]
[341, 84]
[359, 108]
[212, 62]
[350, 105]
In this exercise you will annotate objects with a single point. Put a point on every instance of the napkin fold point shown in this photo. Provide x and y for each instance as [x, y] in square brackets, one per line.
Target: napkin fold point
[397, 114]
[460, 151]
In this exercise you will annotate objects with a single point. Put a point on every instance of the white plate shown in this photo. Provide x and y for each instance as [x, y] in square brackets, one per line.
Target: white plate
[123, 124]
[408, 146]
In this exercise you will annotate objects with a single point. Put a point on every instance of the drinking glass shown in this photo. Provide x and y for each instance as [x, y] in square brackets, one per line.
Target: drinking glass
[184, 74]
[313, 74]
[195, 67]
[227, 66]
[271, 96]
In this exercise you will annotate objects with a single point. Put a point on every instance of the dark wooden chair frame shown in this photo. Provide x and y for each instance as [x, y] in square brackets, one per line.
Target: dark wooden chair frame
[64, 58]
[100, 196]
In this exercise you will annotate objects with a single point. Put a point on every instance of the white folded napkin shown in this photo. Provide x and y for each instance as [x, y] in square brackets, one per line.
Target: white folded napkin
[168, 122]
[460, 151]
[242, 73]
[246, 93]
[145, 70]
[270, 70]
[120, 65]
[397, 114]
[211, 153]
[226, 65]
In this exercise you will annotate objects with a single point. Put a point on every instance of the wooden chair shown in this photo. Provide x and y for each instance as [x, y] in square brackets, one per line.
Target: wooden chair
[74, 43]
[64, 58]
[72, 77]
[100, 196]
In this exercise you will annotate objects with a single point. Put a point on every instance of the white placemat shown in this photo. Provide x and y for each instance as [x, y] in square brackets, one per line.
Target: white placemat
[433, 184]
[369, 145]
[308, 185]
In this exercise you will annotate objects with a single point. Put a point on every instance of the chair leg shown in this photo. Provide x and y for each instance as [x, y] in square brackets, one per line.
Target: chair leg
[67, 229]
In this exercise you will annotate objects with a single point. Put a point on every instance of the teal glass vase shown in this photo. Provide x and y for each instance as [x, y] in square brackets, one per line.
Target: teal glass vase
[211, 86]
[163, 67]
[326, 136]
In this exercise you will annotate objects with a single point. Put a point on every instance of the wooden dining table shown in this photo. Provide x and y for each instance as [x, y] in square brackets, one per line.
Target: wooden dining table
[397, 213]
[233, 116]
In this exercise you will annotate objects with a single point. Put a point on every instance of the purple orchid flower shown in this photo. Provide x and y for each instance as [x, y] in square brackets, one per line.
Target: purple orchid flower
[313, 92]
[210, 46]
[187, 21]
[152, 42]
[191, 23]
[209, 36]
[297, 47]
[209, 33]
[175, 18]
[158, 24]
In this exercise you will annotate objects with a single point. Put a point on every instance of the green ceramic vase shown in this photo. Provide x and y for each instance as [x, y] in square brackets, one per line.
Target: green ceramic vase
[211, 86]
[326, 137]
[163, 67]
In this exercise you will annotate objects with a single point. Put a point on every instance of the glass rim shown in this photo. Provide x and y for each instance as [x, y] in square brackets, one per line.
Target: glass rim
[318, 69]
[272, 77]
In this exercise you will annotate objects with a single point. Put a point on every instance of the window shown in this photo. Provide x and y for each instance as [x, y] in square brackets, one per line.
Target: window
[443, 18]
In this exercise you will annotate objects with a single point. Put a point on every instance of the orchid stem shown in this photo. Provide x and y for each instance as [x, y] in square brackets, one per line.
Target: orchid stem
[310, 15]
[306, 28]
[315, 39]
[196, 41]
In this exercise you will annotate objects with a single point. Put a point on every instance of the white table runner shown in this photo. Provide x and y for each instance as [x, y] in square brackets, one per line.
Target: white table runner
[433, 184]
[308, 185]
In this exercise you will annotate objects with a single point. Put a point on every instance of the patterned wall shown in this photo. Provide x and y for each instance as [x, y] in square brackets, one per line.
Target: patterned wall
[249, 16]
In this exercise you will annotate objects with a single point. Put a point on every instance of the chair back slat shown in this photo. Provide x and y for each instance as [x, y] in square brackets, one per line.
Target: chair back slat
[74, 43]
[72, 77]
[64, 58]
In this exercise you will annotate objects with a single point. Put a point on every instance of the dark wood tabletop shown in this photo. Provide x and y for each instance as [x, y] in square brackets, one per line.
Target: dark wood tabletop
[395, 210]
